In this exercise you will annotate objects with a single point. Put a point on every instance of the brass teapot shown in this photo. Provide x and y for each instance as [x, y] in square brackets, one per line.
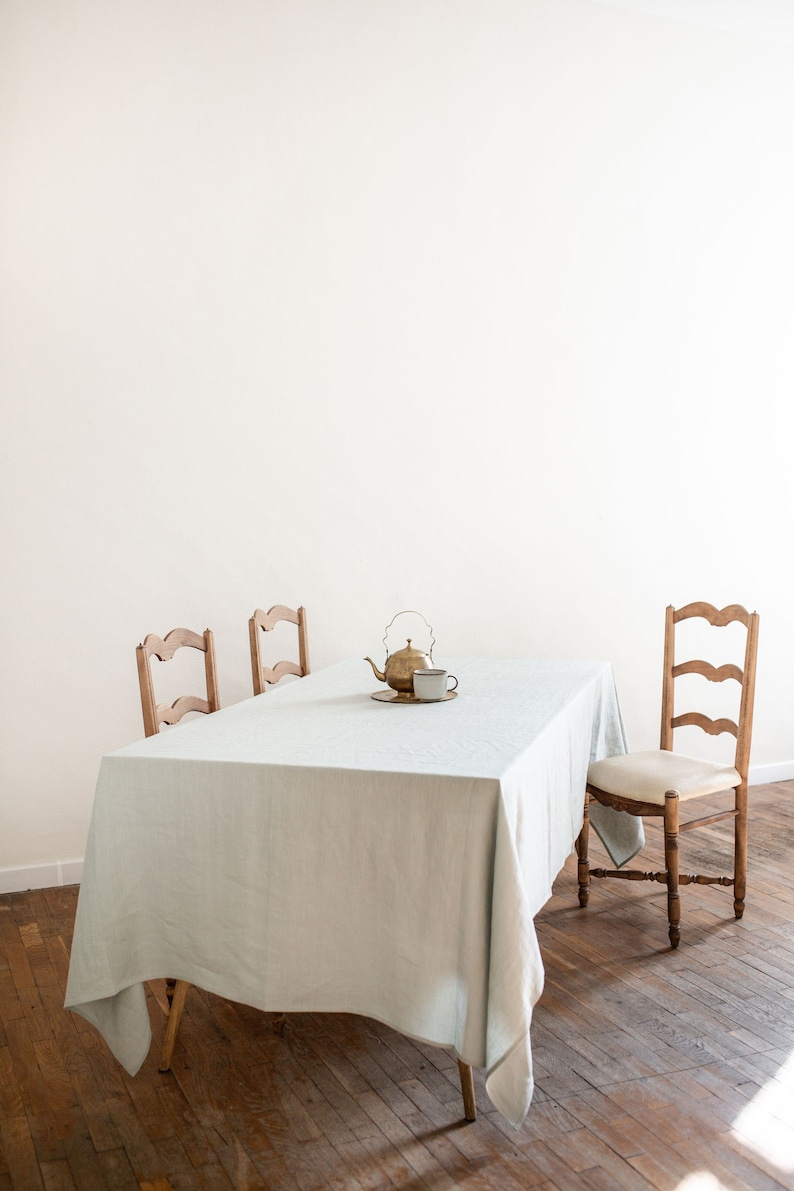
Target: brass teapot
[398, 669]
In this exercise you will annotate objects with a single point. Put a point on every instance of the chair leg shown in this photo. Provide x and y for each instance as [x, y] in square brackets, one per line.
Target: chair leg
[740, 852]
[170, 985]
[671, 864]
[582, 846]
[174, 1018]
[467, 1088]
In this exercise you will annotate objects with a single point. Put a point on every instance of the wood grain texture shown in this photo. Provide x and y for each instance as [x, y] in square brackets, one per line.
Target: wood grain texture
[644, 1057]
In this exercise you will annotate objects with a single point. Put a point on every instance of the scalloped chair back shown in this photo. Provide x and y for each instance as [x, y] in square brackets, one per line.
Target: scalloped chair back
[264, 675]
[155, 714]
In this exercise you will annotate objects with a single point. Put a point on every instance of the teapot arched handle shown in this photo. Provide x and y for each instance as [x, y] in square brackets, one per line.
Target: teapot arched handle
[413, 612]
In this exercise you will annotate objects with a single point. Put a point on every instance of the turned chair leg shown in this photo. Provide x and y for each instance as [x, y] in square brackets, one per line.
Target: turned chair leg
[671, 864]
[583, 866]
[740, 851]
[174, 1018]
[467, 1088]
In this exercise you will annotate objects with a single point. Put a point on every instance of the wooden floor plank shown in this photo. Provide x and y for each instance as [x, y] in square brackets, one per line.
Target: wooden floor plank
[645, 1060]
[19, 1154]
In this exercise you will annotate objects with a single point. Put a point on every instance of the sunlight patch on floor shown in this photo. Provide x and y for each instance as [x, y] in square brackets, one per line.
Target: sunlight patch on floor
[766, 1125]
[701, 1180]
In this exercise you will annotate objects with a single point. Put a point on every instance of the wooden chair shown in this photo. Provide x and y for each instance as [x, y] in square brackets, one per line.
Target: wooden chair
[264, 675]
[154, 716]
[654, 783]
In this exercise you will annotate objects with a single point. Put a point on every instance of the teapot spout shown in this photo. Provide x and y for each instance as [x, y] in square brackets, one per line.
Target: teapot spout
[381, 677]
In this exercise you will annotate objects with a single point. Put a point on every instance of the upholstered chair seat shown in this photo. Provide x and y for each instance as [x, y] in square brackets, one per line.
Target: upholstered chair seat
[646, 777]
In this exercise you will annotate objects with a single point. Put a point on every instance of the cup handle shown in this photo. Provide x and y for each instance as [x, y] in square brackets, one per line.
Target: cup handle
[454, 679]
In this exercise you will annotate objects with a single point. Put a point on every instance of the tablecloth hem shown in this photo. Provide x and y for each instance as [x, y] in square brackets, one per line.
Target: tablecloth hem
[505, 1102]
[131, 1062]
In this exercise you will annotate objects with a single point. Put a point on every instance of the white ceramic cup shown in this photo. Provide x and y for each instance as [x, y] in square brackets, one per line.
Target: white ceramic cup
[431, 685]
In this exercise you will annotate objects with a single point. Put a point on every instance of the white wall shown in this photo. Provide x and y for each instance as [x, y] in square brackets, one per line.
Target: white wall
[267, 263]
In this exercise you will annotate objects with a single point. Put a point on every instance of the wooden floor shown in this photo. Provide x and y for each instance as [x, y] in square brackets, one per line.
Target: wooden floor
[653, 1068]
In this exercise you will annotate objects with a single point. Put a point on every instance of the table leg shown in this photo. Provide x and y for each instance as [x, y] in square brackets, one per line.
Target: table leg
[174, 1018]
[467, 1088]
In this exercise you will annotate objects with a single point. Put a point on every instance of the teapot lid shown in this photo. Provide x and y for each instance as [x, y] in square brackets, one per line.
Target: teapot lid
[410, 651]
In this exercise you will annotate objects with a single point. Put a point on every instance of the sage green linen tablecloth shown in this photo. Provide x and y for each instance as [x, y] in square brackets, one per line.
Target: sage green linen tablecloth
[312, 849]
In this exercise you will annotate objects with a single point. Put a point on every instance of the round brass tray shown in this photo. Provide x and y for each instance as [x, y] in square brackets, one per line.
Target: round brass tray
[402, 697]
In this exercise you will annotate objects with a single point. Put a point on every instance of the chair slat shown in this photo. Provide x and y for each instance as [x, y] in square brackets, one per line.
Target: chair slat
[164, 648]
[180, 707]
[718, 617]
[712, 727]
[712, 673]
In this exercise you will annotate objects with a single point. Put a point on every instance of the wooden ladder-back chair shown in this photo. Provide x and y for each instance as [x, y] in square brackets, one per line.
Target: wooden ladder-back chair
[654, 783]
[154, 715]
[264, 675]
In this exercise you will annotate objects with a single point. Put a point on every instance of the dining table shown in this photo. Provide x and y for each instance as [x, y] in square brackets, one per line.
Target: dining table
[315, 849]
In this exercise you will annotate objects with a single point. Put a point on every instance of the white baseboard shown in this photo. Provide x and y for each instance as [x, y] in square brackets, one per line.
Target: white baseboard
[759, 775]
[41, 876]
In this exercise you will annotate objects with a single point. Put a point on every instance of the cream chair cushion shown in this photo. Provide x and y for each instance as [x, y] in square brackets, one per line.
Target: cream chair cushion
[645, 777]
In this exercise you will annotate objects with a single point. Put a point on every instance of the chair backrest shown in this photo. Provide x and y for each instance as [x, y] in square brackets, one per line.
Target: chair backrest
[741, 728]
[262, 674]
[164, 648]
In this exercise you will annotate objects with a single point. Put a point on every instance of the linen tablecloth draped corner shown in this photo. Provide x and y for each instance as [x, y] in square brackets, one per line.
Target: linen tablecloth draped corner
[314, 850]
